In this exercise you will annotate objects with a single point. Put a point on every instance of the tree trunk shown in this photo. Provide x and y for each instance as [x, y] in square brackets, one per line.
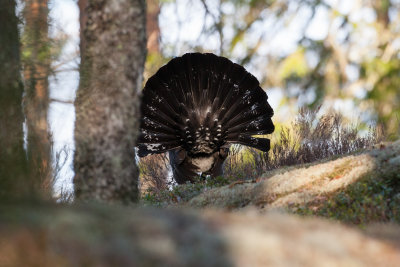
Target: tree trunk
[36, 51]
[82, 23]
[153, 30]
[382, 9]
[107, 103]
[13, 165]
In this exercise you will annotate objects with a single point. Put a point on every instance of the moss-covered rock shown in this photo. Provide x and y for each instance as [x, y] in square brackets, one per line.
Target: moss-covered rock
[357, 188]
[374, 198]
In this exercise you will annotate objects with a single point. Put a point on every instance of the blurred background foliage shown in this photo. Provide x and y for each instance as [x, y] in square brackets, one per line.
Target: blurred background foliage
[336, 53]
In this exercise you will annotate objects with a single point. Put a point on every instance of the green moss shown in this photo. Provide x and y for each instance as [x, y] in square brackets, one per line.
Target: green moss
[183, 193]
[374, 198]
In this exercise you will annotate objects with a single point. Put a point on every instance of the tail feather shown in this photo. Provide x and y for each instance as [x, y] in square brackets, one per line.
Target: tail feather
[154, 127]
[146, 149]
[262, 144]
[155, 138]
[255, 126]
[152, 113]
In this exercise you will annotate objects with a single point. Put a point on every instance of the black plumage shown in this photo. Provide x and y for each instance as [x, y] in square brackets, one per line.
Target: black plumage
[195, 107]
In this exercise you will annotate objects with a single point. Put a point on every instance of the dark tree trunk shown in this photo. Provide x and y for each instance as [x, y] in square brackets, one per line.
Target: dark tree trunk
[36, 48]
[13, 165]
[82, 23]
[107, 103]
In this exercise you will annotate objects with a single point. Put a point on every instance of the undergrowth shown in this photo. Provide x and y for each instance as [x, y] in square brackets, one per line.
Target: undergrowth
[182, 193]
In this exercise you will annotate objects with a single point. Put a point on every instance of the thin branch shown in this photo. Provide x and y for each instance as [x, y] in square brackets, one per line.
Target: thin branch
[68, 102]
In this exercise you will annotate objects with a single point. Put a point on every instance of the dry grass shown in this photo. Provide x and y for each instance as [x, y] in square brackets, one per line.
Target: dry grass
[308, 139]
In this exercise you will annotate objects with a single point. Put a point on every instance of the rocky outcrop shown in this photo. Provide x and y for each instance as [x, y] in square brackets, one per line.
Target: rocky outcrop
[286, 187]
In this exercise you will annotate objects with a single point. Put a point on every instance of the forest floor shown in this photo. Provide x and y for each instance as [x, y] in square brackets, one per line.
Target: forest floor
[343, 211]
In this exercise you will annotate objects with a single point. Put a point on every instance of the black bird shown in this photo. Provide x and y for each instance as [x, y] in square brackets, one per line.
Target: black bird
[195, 107]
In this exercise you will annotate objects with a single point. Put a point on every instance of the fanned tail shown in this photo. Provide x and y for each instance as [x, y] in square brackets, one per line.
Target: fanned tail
[200, 102]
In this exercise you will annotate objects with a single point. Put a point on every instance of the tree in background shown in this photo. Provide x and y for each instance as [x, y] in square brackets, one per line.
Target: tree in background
[13, 165]
[36, 63]
[152, 28]
[155, 58]
[107, 102]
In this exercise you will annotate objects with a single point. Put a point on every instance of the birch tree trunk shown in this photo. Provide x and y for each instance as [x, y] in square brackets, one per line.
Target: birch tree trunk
[107, 103]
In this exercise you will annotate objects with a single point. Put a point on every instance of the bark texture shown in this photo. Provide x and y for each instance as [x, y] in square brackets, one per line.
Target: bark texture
[13, 168]
[82, 22]
[107, 103]
[36, 51]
